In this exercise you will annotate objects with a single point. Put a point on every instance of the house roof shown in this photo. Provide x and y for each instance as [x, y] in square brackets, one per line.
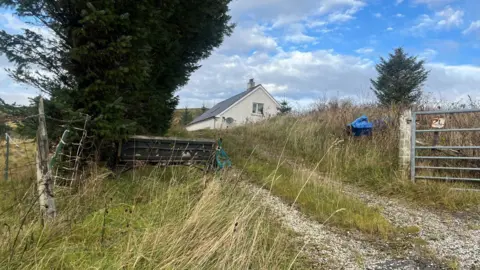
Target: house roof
[222, 106]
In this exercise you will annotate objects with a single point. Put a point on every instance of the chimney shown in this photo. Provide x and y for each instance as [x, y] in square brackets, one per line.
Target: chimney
[251, 84]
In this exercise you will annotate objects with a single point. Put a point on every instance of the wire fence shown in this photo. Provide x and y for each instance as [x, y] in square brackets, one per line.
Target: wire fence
[18, 155]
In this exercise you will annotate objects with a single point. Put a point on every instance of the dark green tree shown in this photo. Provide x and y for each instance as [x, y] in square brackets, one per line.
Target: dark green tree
[203, 109]
[284, 107]
[119, 61]
[400, 79]
[186, 117]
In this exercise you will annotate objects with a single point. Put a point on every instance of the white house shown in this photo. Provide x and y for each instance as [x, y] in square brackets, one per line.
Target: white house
[252, 105]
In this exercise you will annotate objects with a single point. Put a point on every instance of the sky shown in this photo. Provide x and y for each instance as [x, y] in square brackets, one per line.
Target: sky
[311, 50]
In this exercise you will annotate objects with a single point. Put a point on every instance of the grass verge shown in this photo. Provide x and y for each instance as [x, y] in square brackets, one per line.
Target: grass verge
[322, 202]
[174, 218]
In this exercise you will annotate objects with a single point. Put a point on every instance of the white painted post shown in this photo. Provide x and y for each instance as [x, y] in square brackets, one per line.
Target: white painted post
[44, 177]
[405, 141]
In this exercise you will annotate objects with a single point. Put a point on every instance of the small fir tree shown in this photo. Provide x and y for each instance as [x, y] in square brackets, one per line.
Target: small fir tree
[400, 79]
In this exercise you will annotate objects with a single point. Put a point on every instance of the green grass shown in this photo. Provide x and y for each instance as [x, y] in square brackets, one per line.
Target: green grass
[324, 203]
[370, 163]
[174, 218]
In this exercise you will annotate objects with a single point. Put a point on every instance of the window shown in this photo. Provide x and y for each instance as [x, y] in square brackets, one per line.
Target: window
[257, 108]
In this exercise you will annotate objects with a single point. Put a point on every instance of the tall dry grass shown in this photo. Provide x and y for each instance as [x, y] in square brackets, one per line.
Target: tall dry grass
[21, 158]
[368, 162]
[174, 218]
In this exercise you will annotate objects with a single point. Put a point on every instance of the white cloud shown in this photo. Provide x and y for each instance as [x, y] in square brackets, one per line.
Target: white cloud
[339, 17]
[428, 54]
[398, 2]
[473, 28]
[299, 38]
[442, 20]
[276, 89]
[11, 23]
[423, 22]
[295, 34]
[309, 76]
[11, 91]
[433, 3]
[390, 29]
[450, 17]
[453, 82]
[315, 24]
[245, 39]
[399, 15]
[378, 15]
[343, 16]
[298, 75]
[365, 50]
[281, 12]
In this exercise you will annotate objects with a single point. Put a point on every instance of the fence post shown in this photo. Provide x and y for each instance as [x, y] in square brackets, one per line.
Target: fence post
[44, 177]
[7, 154]
[405, 140]
[413, 152]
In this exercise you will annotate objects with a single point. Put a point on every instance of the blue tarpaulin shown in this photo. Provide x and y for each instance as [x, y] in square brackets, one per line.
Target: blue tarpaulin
[361, 122]
[361, 126]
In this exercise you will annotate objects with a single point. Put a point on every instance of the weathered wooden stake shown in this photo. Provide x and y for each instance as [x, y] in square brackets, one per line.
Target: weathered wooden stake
[44, 177]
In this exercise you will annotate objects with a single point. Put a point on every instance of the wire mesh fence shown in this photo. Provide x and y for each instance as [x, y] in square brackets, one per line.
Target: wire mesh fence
[18, 155]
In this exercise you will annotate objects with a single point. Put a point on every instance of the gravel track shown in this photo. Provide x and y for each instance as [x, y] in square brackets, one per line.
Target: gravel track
[453, 238]
[330, 249]
[448, 237]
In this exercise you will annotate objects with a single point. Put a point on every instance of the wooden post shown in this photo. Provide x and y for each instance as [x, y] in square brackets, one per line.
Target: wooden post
[436, 137]
[44, 177]
[7, 153]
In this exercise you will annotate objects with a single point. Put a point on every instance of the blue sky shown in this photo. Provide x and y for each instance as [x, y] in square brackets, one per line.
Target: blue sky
[309, 50]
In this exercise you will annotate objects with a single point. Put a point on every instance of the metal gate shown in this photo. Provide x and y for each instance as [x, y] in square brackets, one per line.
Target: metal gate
[459, 162]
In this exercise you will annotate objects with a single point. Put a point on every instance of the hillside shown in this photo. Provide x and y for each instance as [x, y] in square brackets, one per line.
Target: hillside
[301, 195]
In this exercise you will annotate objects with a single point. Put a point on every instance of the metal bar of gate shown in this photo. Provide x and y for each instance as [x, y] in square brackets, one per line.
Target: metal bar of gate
[446, 147]
[445, 157]
[447, 168]
[448, 130]
[446, 178]
[447, 112]
[414, 148]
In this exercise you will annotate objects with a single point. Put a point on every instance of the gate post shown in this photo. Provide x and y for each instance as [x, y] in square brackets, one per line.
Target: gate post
[405, 140]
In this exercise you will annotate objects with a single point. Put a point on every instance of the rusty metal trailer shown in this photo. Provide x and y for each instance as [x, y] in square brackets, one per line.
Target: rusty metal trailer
[207, 154]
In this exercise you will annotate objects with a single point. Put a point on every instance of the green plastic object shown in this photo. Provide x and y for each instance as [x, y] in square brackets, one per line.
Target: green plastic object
[59, 149]
[223, 161]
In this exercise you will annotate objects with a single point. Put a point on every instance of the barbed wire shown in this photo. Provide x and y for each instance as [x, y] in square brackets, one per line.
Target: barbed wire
[23, 118]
